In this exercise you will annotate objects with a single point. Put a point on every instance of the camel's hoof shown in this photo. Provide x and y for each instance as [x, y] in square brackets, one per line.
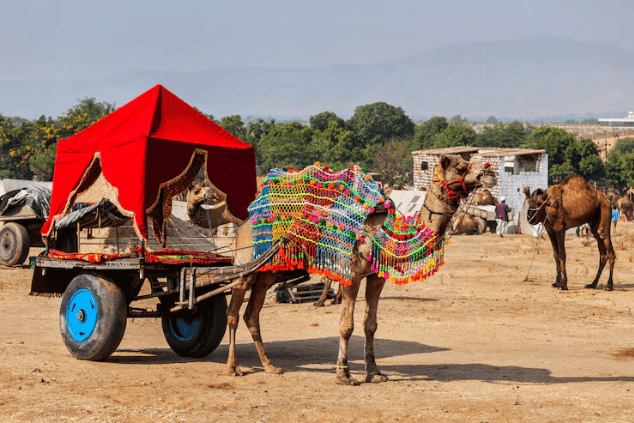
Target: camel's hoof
[563, 288]
[590, 286]
[347, 381]
[376, 377]
[234, 372]
[318, 304]
[274, 370]
[555, 285]
[609, 288]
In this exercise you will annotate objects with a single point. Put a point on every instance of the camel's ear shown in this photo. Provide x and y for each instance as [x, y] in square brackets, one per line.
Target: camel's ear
[527, 192]
[444, 162]
[554, 203]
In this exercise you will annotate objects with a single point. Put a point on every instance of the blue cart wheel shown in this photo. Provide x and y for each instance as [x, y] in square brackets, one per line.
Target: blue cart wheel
[197, 333]
[81, 315]
[93, 317]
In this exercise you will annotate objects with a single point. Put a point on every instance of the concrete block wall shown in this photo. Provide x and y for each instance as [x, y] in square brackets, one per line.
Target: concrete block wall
[422, 178]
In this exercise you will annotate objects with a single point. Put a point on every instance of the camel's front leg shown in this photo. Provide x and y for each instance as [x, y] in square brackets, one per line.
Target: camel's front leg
[373, 288]
[561, 253]
[553, 241]
[346, 326]
[233, 317]
[252, 317]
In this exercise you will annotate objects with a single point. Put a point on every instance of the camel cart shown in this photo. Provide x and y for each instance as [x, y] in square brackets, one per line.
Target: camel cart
[132, 163]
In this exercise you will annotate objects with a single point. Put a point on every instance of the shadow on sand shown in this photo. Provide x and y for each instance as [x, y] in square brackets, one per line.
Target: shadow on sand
[295, 355]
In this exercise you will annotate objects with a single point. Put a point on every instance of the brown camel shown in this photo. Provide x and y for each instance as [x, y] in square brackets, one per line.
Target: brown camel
[484, 198]
[625, 206]
[465, 224]
[569, 204]
[436, 213]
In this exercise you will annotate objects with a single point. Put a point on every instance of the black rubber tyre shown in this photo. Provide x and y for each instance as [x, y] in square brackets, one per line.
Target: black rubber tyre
[92, 317]
[199, 333]
[14, 244]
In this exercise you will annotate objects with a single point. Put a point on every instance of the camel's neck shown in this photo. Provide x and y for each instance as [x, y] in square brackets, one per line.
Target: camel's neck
[438, 208]
[218, 215]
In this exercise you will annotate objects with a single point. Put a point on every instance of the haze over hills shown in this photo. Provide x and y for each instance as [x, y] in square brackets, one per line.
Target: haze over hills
[538, 77]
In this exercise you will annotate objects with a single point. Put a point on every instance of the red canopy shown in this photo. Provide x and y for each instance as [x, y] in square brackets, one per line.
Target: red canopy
[149, 150]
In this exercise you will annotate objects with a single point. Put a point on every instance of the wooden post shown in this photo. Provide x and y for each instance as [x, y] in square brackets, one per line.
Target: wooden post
[78, 236]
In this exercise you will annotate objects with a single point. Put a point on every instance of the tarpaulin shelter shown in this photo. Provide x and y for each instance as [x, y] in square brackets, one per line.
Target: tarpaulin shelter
[149, 150]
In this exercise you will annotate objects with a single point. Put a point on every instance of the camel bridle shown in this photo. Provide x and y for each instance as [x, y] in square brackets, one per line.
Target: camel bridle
[452, 194]
[537, 209]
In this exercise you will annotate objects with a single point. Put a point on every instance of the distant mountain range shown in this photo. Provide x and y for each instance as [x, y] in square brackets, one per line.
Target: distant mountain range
[541, 77]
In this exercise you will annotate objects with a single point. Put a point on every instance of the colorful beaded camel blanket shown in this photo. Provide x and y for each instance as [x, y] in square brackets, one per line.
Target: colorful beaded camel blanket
[319, 212]
[405, 250]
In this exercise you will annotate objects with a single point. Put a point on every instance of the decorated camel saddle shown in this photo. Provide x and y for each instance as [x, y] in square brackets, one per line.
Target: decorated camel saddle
[320, 214]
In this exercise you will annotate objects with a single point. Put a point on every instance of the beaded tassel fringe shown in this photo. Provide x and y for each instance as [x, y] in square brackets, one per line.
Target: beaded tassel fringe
[405, 250]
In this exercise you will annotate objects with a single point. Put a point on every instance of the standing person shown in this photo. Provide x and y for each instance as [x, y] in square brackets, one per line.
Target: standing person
[501, 216]
[615, 218]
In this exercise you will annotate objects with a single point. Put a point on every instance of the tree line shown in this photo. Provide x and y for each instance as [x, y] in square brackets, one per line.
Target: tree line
[378, 137]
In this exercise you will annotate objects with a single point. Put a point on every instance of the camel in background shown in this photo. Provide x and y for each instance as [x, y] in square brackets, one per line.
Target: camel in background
[569, 204]
[439, 207]
[625, 206]
[484, 198]
[217, 213]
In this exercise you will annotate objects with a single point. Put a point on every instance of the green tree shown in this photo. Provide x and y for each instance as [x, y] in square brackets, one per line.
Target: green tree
[458, 134]
[335, 146]
[620, 165]
[424, 133]
[234, 125]
[503, 136]
[287, 144]
[566, 155]
[492, 119]
[375, 124]
[321, 121]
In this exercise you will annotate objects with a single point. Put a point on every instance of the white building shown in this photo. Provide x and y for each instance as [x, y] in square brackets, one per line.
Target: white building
[628, 121]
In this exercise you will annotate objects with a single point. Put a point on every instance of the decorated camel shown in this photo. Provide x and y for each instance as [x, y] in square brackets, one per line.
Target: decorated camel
[569, 204]
[455, 178]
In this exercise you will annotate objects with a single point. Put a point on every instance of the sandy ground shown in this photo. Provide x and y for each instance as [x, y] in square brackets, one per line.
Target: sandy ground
[477, 342]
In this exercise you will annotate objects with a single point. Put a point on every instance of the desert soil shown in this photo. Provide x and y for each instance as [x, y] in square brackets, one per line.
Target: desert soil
[479, 341]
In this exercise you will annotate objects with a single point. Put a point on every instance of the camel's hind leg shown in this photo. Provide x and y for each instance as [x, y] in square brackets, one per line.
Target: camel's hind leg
[252, 317]
[346, 327]
[233, 317]
[606, 252]
[373, 288]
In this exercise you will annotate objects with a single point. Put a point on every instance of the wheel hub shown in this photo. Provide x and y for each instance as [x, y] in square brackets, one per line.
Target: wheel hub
[81, 315]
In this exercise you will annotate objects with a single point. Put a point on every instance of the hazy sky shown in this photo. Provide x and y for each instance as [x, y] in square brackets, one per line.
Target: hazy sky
[84, 39]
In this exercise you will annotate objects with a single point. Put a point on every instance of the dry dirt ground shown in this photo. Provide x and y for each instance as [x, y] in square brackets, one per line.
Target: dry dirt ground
[477, 342]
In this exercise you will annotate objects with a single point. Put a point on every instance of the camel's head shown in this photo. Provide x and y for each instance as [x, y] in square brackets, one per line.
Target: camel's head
[462, 177]
[198, 193]
[538, 204]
